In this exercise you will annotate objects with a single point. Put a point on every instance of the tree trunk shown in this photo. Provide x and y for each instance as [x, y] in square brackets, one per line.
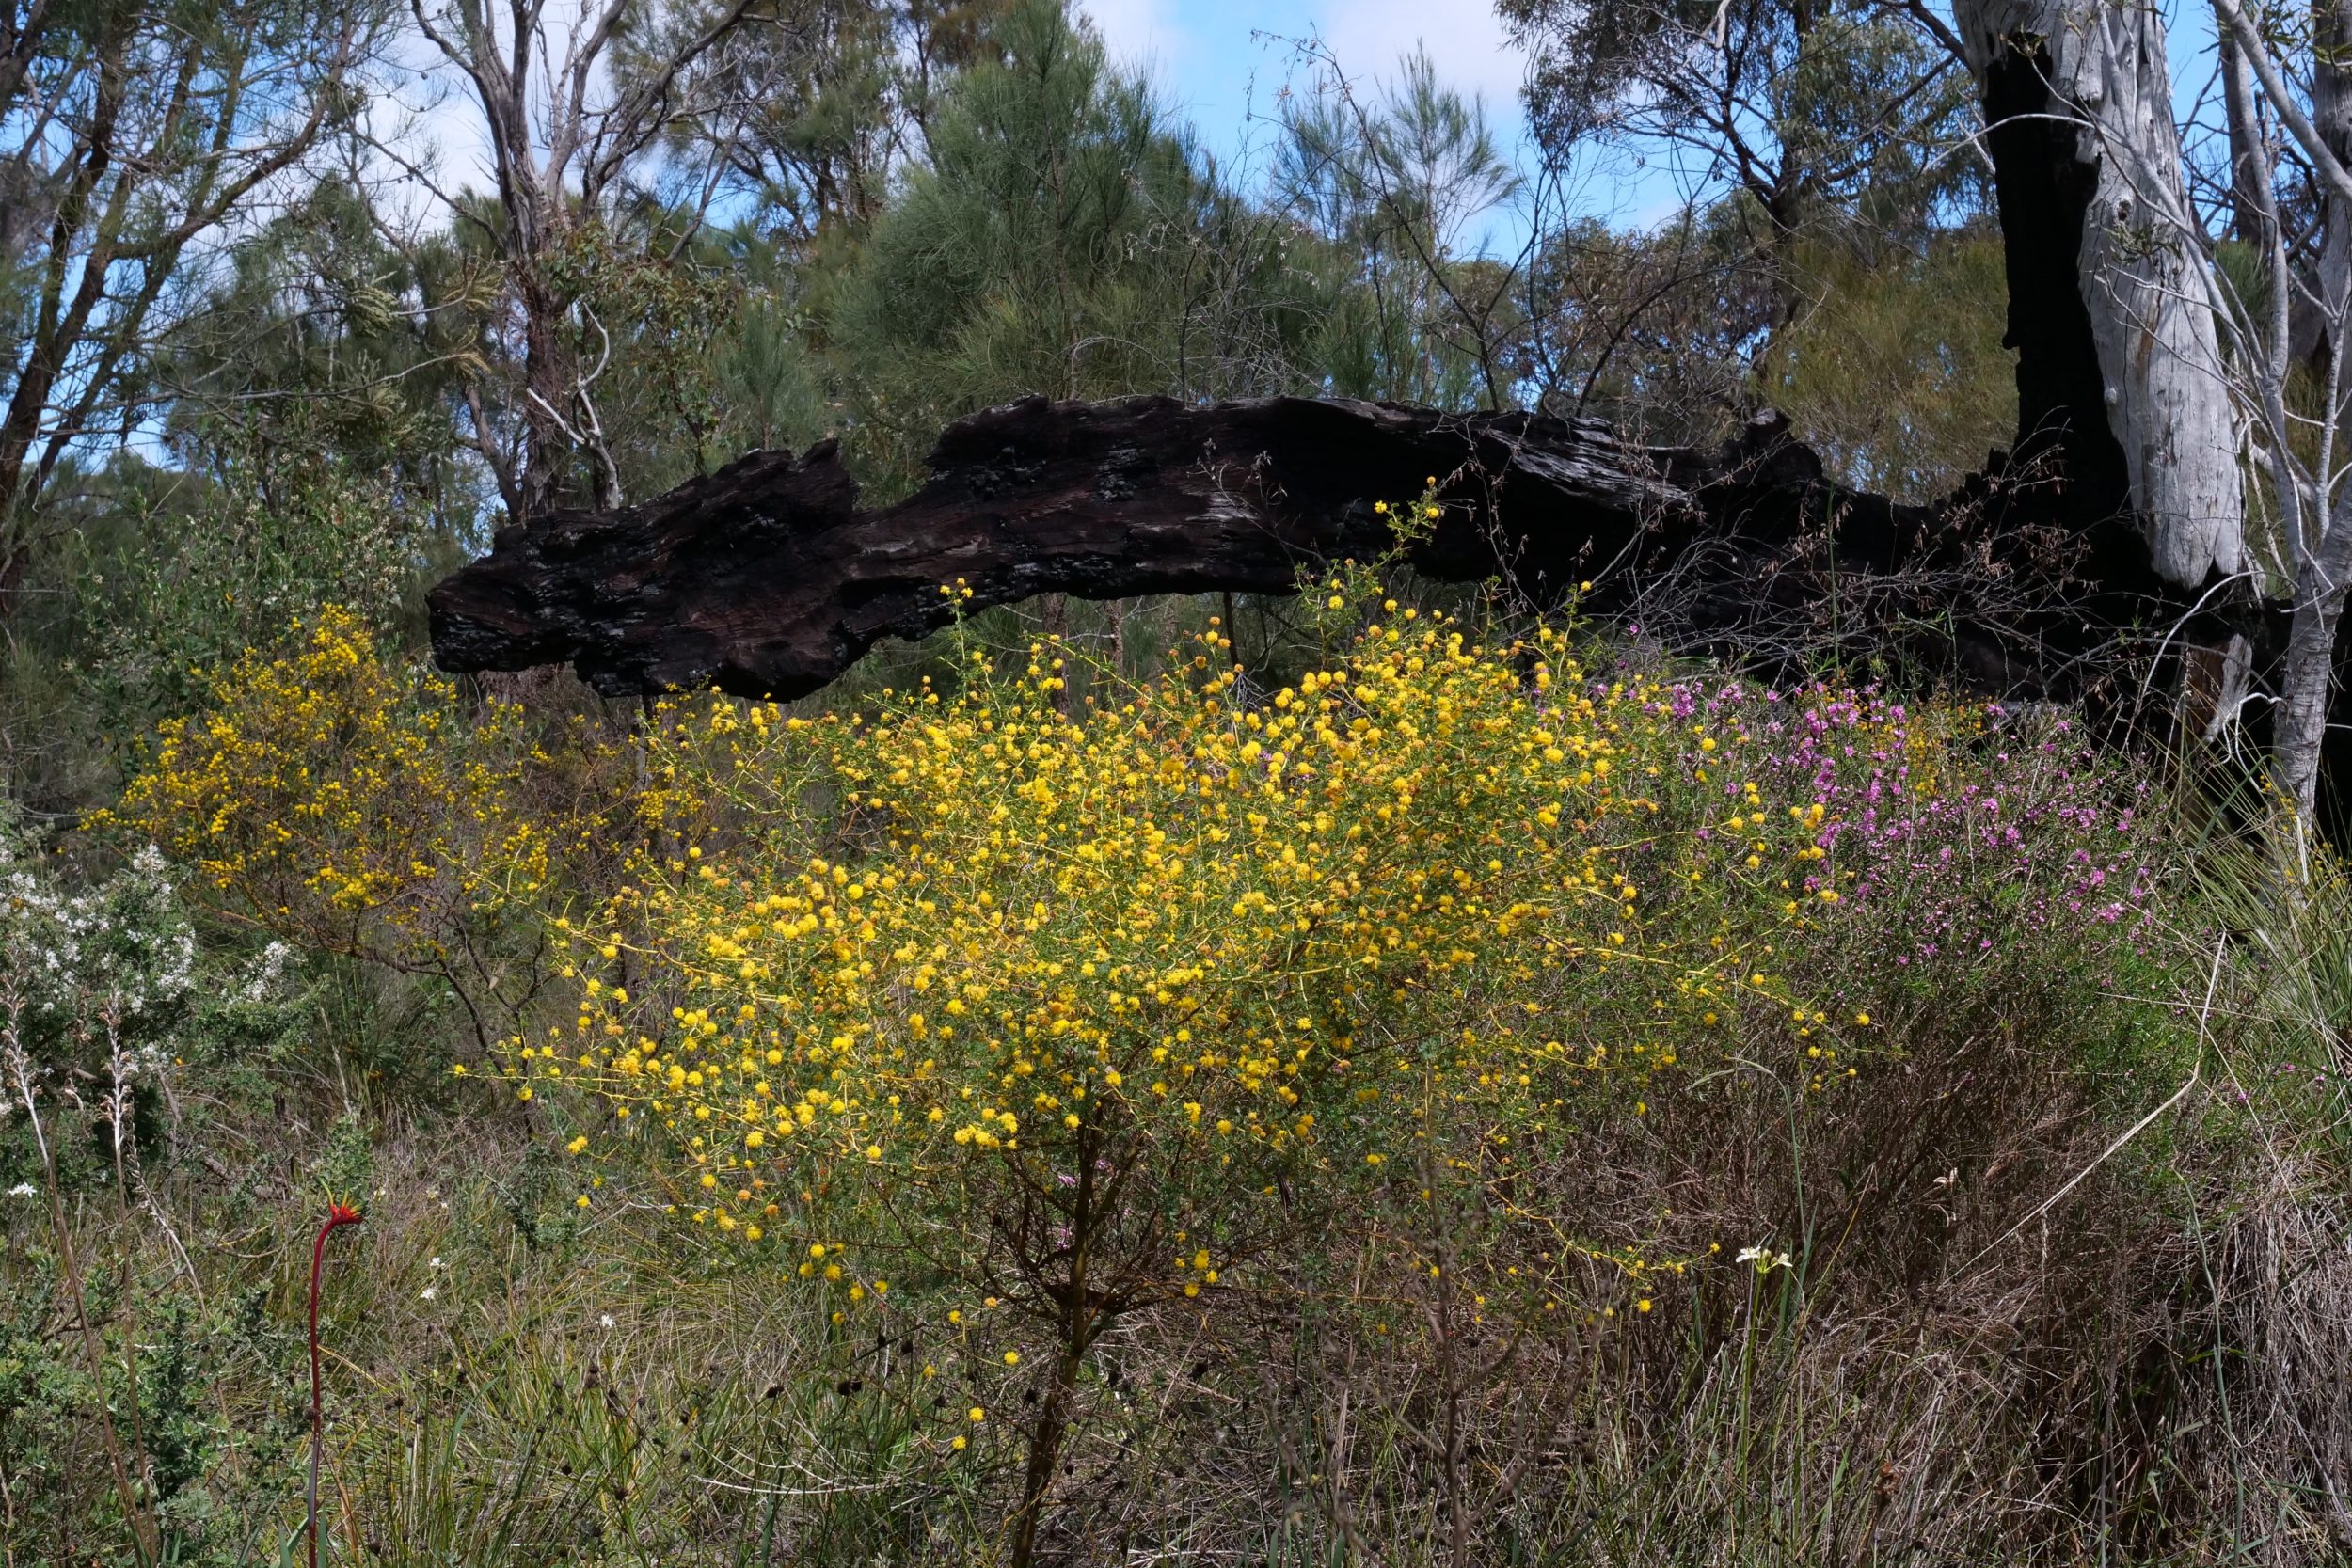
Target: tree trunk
[59, 322]
[2250, 160]
[2307, 685]
[1045, 1439]
[2331, 117]
[2113, 177]
[547, 393]
[2307, 681]
[2251, 153]
[768, 580]
[1078, 1328]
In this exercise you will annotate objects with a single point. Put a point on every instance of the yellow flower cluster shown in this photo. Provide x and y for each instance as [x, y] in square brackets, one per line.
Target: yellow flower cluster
[1206, 945]
[337, 799]
[993, 995]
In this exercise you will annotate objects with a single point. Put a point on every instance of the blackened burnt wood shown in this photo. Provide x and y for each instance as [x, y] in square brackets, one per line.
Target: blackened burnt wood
[769, 579]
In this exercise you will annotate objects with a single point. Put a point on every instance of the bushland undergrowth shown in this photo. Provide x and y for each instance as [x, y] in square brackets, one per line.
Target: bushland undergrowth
[1480, 1097]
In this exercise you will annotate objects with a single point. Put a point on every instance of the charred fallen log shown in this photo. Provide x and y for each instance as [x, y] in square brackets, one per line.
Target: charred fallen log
[769, 579]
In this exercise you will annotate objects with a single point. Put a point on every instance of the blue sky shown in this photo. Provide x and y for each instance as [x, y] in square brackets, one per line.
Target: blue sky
[1221, 62]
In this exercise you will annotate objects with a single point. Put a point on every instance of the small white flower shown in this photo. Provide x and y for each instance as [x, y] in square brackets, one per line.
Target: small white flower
[262, 976]
[23, 1189]
[428, 1293]
[1764, 1257]
[436, 1262]
[604, 1319]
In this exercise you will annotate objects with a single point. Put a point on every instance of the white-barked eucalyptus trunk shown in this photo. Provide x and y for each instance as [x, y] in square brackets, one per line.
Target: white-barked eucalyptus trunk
[2299, 450]
[2141, 276]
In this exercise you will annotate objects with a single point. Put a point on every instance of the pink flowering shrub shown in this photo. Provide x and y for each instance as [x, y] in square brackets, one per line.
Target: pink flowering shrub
[1973, 914]
[1969, 848]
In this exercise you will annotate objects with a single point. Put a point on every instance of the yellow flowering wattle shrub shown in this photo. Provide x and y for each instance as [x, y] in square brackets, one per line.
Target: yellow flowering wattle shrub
[1466, 987]
[966, 996]
[353, 805]
[1423, 890]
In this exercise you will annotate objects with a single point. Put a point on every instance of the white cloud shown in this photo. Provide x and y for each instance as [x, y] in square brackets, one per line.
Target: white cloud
[1465, 40]
[1204, 51]
[1140, 32]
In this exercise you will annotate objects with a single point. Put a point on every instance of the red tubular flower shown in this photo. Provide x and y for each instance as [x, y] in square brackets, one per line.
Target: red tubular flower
[338, 1215]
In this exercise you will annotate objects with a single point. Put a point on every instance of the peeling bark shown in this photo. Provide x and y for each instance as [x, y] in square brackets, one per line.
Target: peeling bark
[2079, 105]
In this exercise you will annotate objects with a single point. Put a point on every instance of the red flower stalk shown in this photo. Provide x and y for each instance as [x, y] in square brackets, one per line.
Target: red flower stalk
[338, 1215]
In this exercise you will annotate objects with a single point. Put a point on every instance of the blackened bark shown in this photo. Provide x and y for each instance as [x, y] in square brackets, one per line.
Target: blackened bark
[768, 579]
[2042, 189]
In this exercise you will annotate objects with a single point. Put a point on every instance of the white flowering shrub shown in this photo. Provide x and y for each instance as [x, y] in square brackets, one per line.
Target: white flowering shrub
[92, 984]
[103, 992]
[115, 1026]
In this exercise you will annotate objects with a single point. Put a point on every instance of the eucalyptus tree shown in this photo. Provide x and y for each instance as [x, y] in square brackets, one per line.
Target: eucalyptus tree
[300, 450]
[2288, 96]
[571, 103]
[2192, 357]
[2078, 97]
[1801, 110]
[135, 137]
[1826, 194]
